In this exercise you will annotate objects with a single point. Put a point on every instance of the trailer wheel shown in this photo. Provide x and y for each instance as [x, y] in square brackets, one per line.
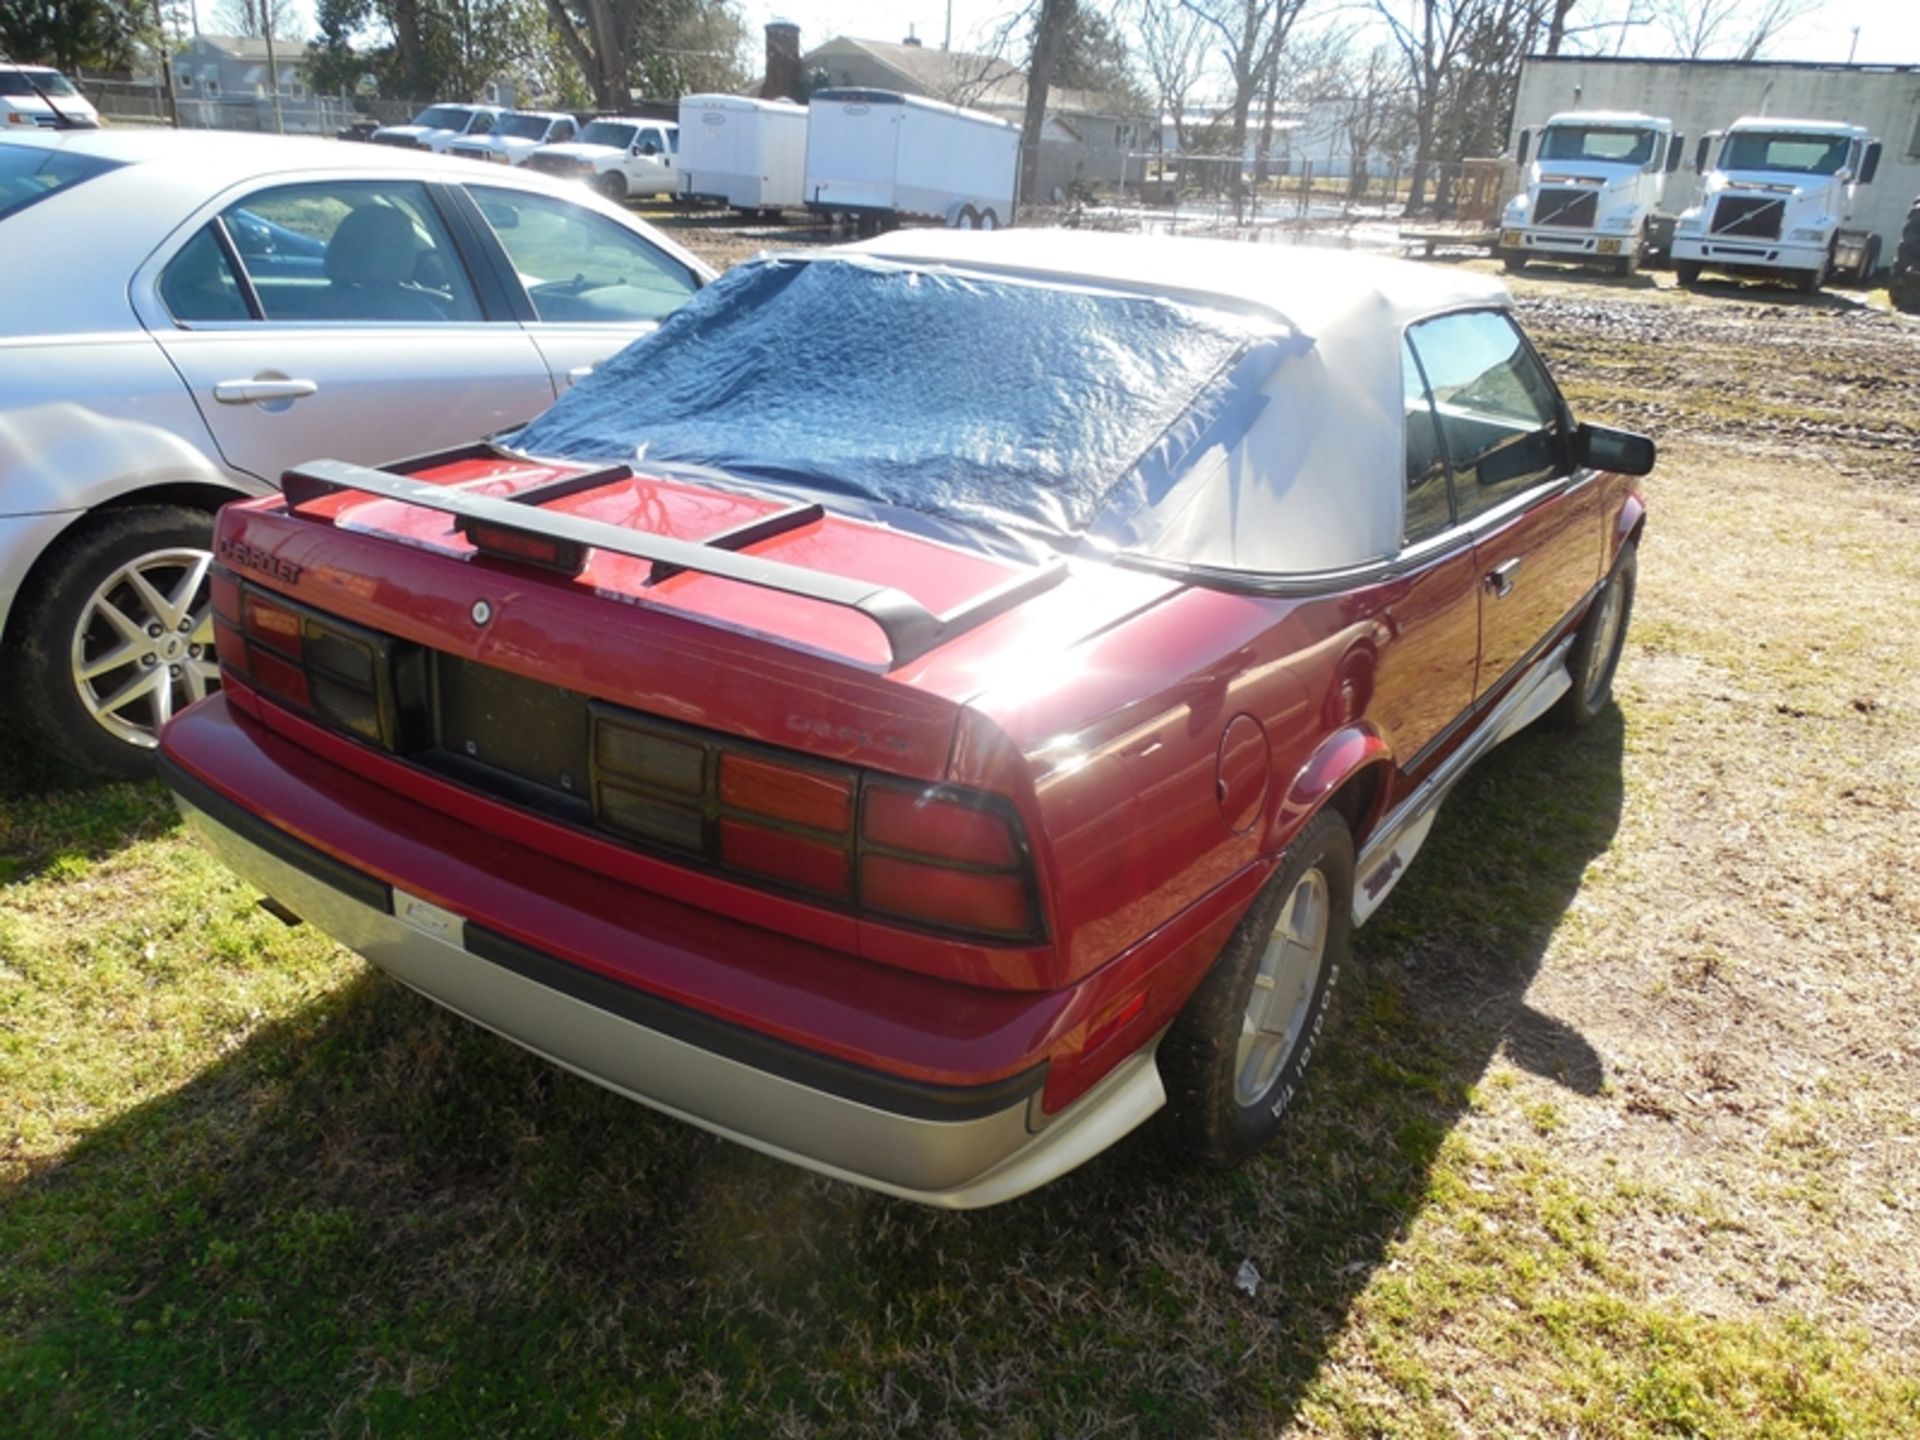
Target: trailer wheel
[967, 219]
[989, 220]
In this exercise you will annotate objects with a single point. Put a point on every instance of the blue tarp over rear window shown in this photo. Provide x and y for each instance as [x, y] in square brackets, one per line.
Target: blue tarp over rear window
[1030, 411]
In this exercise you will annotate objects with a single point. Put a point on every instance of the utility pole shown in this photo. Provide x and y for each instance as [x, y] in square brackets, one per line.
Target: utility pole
[1854, 46]
[166, 64]
[273, 67]
[947, 43]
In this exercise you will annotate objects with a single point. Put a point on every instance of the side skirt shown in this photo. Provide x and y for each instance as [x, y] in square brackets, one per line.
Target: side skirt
[1398, 838]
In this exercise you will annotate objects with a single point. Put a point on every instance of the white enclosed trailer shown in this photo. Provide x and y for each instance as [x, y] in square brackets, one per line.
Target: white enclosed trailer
[881, 158]
[750, 154]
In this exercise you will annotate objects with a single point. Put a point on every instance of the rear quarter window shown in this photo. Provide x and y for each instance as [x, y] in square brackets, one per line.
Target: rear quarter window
[29, 174]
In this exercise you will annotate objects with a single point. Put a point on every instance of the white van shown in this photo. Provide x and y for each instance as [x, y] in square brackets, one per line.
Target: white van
[42, 97]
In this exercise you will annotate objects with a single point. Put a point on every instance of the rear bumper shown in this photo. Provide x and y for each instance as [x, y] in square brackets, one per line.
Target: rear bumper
[957, 1146]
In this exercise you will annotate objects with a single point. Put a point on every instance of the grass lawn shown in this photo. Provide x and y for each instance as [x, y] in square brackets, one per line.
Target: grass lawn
[1614, 1134]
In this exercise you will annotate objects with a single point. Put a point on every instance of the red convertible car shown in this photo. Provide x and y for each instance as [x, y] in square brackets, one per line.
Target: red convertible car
[935, 702]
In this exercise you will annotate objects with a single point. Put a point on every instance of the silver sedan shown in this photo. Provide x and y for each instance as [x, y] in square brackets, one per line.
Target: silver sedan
[185, 315]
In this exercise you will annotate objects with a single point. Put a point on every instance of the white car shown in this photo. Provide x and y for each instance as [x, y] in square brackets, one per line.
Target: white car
[41, 97]
[618, 156]
[187, 314]
[438, 126]
[516, 135]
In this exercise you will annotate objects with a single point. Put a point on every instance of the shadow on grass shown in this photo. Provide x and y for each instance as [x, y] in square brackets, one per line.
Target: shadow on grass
[375, 1217]
[57, 822]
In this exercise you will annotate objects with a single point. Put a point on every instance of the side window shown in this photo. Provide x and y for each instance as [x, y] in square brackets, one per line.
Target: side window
[649, 142]
[1499, 415]
[562, 131]
[367, 250]
[199, 284]
[581, 266]
[481, 124]
[1429, 509]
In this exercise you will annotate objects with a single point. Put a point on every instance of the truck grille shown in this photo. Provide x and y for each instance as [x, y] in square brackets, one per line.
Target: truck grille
[1572, 209]
[1756, 217]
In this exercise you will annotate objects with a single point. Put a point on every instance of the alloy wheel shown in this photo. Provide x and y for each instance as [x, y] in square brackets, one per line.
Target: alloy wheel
[143, 646]
[1283, 987]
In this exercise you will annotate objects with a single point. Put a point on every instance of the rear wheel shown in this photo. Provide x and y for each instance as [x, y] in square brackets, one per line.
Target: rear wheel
[967, 219]
[117, 638]
[1598, 645]
[989, 220]
[1233, 1059]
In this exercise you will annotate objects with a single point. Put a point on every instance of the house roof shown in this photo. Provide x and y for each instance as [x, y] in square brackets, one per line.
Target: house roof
[249, 47]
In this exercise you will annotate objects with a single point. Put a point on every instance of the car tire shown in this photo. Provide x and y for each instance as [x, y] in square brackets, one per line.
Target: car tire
[69, 716]
[1230, 1061]
[1686, 272]
[1599, 643]
[613, 185]
[1513, 260]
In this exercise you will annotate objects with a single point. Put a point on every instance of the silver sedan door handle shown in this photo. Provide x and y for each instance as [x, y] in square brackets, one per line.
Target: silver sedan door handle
[1500, 578]
[252, 392]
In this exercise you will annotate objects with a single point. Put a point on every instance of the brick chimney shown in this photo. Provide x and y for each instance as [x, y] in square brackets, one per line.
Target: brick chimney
[783, 61]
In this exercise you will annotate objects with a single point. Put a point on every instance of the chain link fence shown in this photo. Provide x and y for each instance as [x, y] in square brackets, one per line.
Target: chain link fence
[301, 112]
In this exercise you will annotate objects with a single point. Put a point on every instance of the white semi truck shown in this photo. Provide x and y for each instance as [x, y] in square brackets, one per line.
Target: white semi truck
[1777, 201]
[745, 153]
[1593, 191]
[878, 158]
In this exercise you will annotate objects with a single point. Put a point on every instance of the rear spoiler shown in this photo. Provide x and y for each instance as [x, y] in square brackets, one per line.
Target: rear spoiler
[910, 628]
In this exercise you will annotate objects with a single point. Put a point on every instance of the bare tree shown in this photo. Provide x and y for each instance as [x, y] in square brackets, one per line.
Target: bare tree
[1431, 36]
[1251, 35]
[1726, 29]
[1172, 46]
[249, 18]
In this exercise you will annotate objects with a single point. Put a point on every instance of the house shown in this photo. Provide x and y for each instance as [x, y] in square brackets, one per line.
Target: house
[217, 68]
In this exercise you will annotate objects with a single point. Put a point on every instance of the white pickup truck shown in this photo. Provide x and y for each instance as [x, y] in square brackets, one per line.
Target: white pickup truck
[517, 135]
[438, 126]
[1592, 191]
[1777, 201]
[618, 156]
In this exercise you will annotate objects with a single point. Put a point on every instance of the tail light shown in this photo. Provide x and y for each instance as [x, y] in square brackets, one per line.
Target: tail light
[946, 857]
[935, 857]
[357, 680]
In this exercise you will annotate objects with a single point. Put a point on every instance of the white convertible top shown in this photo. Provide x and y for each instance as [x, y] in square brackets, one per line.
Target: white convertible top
[1318, 481]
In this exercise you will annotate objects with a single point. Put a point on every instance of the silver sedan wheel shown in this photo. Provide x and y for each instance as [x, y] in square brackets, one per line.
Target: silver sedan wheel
[1606, 636]
[1282, 994]
[143, 646]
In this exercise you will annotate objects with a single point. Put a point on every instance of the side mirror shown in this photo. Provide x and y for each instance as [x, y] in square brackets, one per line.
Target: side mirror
[649, 148]
[1619, 452]
[1700, 154]
[1522, 147]
[1676, 149]
[1870, 166]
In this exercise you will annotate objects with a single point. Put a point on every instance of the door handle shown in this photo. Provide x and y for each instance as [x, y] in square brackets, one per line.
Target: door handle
[1500, 578]
[252, 392]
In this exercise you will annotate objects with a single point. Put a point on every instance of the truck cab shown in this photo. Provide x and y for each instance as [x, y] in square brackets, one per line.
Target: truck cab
[1591, 190]
[1776, 203]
